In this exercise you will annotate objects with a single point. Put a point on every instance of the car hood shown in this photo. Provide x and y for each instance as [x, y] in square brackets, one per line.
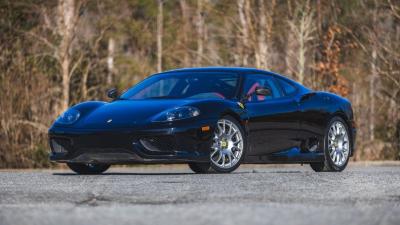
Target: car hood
[128, 113]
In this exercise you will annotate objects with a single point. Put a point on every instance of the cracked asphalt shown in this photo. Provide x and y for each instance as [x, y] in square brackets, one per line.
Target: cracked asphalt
[161, 194]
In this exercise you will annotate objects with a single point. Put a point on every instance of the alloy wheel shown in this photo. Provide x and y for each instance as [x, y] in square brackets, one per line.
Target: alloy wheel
[227, 148]
[338, 143]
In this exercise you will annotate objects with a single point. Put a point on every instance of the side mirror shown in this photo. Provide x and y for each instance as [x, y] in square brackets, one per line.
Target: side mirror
[264, 91]
[112, 93]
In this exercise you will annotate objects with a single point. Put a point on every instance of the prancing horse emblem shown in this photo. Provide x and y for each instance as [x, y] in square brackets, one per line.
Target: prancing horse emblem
[109, 121]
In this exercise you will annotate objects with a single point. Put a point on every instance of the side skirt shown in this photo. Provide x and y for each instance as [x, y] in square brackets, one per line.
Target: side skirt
[293, 155]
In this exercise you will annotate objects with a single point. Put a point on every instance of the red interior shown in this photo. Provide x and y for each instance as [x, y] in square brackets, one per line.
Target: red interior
[253, 89]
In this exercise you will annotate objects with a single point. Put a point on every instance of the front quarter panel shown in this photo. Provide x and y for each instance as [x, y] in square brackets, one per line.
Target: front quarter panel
[85, 108]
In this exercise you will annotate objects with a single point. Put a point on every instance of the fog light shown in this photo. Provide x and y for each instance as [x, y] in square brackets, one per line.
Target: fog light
[57, 148]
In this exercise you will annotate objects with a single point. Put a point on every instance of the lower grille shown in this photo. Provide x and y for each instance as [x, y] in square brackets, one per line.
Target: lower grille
[104, 140]
[158, 144]
[57, 146]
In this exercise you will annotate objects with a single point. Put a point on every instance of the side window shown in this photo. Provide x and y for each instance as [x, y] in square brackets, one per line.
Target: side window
[254, 81]
[288, 88]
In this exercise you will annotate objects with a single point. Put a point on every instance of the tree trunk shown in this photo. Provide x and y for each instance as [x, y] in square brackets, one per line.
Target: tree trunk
[110, 61]
[289, 56]
[160, 21]
[85, 76]
[374, 74]
[372, 95]
[65, 84]
[262, 50]
[200, 32]
[302, 52]
[319, 18]
[66, 24]
[185, 32]
[244, 31]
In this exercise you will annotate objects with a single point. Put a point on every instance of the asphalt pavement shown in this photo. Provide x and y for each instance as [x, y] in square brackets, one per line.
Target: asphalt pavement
[254, 194]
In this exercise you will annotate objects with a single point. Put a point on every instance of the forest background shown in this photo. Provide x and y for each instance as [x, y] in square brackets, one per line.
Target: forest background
[56, 53]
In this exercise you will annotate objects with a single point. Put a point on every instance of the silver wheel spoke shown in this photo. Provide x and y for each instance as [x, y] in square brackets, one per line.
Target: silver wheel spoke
[231, 135]
[219, 157]
[230, 158]
[213, 153]
[236, 142]
[230, 131]
[234, 156]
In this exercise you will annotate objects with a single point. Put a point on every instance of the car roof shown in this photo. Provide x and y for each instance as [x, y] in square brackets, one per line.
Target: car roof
[242, 70]
[218, 69]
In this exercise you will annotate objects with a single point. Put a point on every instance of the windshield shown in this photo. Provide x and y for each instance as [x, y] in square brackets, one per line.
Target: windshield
[185, 85]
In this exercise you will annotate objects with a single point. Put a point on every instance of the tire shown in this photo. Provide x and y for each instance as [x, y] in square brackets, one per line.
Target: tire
[200, 167]
[329, 164]
[80, 168]
[225, 146]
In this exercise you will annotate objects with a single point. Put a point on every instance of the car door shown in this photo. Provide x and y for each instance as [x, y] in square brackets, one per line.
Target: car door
[273, 125]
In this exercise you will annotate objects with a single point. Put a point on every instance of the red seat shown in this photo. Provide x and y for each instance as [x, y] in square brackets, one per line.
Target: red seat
[253, 89]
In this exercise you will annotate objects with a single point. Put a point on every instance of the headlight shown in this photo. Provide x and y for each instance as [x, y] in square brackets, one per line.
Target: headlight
[178, 113]
[68, 117]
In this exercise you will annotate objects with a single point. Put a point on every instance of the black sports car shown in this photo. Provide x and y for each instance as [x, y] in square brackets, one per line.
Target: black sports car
[214, 119]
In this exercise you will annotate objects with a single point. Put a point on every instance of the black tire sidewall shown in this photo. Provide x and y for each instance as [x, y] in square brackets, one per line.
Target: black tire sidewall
[228, 170]
[81, 168]
[200, 167]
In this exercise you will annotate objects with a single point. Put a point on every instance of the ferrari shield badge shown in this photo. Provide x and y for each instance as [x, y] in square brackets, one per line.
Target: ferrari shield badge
[240, 105]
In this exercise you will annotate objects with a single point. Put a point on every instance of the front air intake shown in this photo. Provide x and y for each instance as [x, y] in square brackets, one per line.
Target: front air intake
[157, 144]
[57, 148]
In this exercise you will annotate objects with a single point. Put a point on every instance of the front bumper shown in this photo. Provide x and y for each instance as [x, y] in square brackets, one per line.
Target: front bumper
[127, 145]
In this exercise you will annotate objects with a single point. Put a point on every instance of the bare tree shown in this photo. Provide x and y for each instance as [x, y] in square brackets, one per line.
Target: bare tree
[67, 20]
[262, 47]
[244, 31]
[373, 75]
[200, 31]
[261, 54]
[185, 32]
[91, 61]
[372, 94]
[383, 57]
[110, 60]
[160, 21]
[302, 29]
